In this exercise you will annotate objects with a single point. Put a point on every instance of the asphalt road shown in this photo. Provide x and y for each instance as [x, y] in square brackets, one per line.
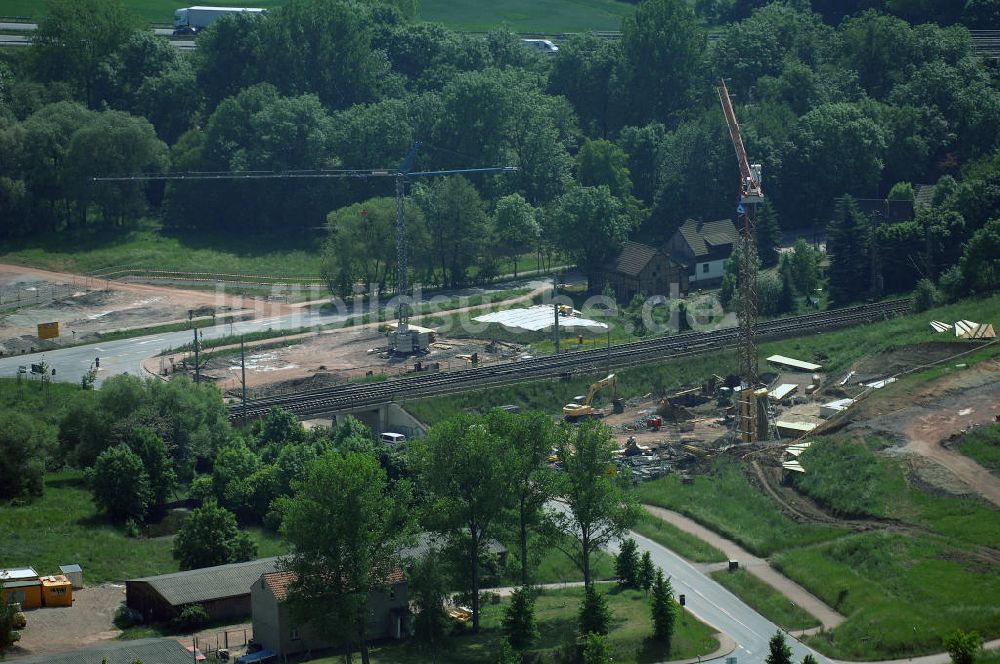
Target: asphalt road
[126, 355]
[716, 606]
[25, 40]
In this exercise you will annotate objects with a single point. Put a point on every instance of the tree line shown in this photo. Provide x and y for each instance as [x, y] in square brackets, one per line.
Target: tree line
[611, 138]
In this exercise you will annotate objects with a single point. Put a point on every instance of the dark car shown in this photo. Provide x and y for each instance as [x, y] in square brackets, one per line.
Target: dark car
[186, 30]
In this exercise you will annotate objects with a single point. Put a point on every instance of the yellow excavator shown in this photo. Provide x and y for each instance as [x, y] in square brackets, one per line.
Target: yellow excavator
[582, 408]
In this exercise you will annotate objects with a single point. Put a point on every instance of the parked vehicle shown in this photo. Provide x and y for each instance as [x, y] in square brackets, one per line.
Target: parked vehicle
[390, 438]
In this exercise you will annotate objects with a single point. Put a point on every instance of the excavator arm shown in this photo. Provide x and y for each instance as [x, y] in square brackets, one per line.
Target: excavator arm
[585, 409]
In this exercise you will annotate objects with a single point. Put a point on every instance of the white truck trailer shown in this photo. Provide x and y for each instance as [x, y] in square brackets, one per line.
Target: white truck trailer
[191, 20]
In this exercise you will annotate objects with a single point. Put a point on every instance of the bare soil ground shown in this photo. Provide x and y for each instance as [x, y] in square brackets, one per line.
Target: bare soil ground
[84, 307]
[60, 629]
[337, 356]
[921, 422]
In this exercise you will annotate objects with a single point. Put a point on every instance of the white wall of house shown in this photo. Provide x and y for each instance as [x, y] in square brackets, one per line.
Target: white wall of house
[706, 271]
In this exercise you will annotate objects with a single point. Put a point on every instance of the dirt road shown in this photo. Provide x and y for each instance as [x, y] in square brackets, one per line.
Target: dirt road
[927, 431]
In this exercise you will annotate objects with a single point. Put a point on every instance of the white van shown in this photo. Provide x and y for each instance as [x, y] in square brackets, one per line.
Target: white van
[393, 438]
[542, 45]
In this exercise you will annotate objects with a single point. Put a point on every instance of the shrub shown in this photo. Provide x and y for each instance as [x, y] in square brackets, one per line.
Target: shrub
[125, 617]
[192, 618]
[595, 616]
[519, 619]
[627, 564]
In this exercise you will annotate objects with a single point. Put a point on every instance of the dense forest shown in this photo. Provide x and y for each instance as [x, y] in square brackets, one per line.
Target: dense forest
[612, 138]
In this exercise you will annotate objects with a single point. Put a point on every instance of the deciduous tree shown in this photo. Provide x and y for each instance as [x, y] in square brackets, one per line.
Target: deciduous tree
[120, 484]
[592, 227]
[598, 508]
[209, 537]
[365, 524]
[461, 468]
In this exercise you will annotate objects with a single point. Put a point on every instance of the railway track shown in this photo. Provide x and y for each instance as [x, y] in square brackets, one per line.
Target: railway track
[342, 397]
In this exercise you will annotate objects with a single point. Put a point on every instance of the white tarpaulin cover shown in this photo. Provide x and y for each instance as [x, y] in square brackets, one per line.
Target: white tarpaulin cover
[538, 317]
[781, 360]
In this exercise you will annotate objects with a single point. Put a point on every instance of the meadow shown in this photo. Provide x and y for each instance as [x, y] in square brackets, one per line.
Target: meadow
[556, 616]
[530, 16]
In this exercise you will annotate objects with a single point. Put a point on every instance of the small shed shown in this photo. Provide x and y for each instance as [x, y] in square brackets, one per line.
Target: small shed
[74, 573]
[57, 591]
[23, 586]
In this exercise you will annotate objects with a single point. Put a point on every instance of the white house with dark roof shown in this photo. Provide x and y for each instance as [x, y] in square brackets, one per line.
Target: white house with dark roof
[704, 247]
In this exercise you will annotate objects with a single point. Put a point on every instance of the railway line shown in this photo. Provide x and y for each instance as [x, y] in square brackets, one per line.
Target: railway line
[343, 397]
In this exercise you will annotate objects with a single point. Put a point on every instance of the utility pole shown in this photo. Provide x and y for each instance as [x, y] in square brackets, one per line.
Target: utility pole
[243, 374]
[197, 362]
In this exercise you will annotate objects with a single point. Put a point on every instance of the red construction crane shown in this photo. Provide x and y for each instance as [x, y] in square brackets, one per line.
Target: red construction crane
[750, 191]
[751, 420]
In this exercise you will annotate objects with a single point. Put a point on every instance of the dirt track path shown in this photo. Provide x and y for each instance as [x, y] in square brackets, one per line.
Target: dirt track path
[925, 433]
[756, 566]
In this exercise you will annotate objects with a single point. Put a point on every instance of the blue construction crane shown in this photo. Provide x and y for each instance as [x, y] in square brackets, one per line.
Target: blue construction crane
[402, 340]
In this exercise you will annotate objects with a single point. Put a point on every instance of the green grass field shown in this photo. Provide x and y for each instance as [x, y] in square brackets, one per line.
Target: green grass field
[726, 502]
[765, 600]
[983, 445]
[289, 255]
[64, 527]
[902, 595]
[556, 615]
[683, 544]
[518, 15]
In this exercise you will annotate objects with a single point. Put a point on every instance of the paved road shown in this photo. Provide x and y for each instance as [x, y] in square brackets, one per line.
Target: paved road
[14, 40]
[716, 606]
[28, 27]
[126, 355]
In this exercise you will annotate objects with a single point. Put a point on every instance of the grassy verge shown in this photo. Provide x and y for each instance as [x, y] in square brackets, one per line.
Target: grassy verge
[63, 526]
[765, 600]
[902, 594]
[116, 335]
[556, 615]
[983, 445]
[683, 544]
[725, 501]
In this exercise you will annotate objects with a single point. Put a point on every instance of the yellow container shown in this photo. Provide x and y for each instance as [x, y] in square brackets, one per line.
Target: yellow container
[57, 591]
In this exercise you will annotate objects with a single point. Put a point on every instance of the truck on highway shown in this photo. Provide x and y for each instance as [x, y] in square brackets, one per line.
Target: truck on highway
[191, 20]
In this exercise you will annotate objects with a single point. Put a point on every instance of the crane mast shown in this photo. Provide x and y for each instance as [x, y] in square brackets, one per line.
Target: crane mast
[749, 416]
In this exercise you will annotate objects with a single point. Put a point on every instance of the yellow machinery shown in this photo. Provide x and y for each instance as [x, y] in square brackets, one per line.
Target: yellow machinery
[575, 410]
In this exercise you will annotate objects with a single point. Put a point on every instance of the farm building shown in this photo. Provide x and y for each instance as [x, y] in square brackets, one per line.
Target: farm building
[642, 269]
[274, 628]
[22, 585]
[223, 590]
[147, 651]
[704, 247]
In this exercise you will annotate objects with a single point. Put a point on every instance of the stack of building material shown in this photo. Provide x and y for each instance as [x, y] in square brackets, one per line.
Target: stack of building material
[966, 329]
[939, 327]
[792, 452]
[828, 410]
[782, 391]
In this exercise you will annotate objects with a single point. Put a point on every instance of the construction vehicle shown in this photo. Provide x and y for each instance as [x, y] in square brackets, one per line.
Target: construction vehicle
[582, 407]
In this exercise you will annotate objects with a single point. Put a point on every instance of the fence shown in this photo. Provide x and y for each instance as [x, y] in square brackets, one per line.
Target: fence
[209, 644]
[14, 298]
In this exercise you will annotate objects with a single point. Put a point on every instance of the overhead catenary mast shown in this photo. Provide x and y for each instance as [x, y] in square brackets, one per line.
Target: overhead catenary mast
[402, 340]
